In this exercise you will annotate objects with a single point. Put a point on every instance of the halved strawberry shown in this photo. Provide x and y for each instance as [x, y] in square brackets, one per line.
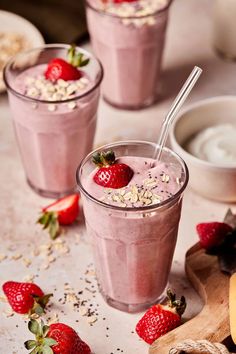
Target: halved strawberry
[59, 68]
[64, 211]
[25, 297]
[160, 319]
[111, 174]
[212, 234]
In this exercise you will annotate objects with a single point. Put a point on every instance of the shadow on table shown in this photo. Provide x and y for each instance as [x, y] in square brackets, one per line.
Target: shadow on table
[180, 284]
[173, 78]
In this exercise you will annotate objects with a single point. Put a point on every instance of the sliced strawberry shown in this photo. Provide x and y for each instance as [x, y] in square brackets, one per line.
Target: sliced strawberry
[57, 338]
[160, 319]
[64, 211]
[25, 297]
[59, 68]
[111, 174]
[211, 234]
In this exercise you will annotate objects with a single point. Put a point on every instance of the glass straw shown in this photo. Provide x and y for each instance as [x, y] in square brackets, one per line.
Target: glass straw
[177, 104]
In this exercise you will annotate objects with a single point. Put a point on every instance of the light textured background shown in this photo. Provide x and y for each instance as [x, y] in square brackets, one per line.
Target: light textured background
[188, 43]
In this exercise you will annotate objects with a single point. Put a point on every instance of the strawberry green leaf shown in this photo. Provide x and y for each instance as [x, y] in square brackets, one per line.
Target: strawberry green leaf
[76, 59]
[38, 310]
[104, 158]
[44, 299]
[178, 304]
[47, 350]
[49, 342]
[30, 344]
[54, 228]
[71, 54]
[84, 62]
[45, 329]
[36, 350]
[33, 326]
[49, 220]
[42, 344]
[44, 219]
[40, 304]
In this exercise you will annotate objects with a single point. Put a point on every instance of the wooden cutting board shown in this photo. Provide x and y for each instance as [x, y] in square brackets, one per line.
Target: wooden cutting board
[212, 323]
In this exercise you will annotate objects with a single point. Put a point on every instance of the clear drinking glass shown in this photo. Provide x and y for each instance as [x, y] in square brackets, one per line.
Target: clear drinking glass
[133, 247]
[53, 136]
[130, 49]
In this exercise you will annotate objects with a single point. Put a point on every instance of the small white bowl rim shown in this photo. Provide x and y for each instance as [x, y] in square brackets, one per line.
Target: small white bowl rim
[192, 107]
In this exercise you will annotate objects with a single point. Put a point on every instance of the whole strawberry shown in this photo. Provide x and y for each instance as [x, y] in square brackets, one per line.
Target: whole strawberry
[57, 338]
[160, 319]
[111, 174]
[212, 234]
[59, 68]
[25, 297]
[64, 211]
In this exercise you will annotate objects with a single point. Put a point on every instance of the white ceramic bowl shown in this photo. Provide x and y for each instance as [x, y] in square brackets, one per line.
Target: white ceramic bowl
[12, 23]
[210, 180]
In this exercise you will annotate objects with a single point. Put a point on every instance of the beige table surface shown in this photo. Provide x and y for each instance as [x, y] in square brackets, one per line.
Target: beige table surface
[188, 44]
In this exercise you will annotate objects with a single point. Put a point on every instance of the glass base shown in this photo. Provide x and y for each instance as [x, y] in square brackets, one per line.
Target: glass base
[128, 107]
[50, 194]
[133, 308]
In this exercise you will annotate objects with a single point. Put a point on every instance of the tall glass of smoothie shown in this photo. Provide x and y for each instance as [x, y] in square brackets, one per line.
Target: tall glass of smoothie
[133, 229]
[128, 37]
[54, 111]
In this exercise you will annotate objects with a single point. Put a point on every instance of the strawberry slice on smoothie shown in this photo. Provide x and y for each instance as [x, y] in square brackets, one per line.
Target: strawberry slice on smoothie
[59, 68]
[111, 174]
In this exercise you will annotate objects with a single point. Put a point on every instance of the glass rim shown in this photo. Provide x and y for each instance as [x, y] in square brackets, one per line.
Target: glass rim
[51, 46]
[128, 17]
[132, 209]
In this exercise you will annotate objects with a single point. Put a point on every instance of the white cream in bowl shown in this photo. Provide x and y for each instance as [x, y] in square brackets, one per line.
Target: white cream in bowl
[215, 144]
[204, 135]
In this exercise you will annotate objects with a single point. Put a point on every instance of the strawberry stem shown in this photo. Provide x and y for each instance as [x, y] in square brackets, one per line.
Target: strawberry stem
[76, 59]
[39, 304]
[104, 158]
[49, 220]
[42, 344]
[179, 305]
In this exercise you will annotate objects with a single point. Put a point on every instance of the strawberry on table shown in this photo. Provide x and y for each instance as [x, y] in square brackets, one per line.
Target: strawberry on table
[212, 234]
[25, 297]
[64, 211]
[57, 338]
[160, 319]
[59, 68]
[110, 173]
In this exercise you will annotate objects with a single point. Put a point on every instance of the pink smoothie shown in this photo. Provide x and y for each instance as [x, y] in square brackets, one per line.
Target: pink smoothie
[129, 39]
[54, 127]
[134, 247]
